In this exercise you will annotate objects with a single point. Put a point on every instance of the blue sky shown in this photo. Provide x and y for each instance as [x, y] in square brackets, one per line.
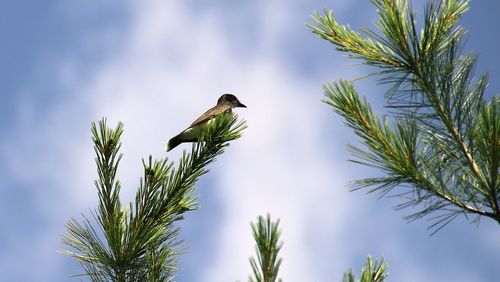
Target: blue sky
[155, 65]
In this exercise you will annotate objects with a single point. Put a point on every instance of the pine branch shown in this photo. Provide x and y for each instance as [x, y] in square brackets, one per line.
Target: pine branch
[392, 150]
[140, 243]
[434, 142]
[371, 272]
[266, 234]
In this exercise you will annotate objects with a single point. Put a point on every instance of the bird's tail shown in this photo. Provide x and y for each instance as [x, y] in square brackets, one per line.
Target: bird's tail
[172, 143]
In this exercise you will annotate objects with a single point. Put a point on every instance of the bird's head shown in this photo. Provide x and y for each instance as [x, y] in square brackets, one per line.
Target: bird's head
[231, 100]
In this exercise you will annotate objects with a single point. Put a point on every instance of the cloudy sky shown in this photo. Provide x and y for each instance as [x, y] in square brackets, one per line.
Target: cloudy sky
[156, 65]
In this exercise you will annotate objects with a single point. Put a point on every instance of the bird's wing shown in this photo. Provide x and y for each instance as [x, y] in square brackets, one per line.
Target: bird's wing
[219, 109]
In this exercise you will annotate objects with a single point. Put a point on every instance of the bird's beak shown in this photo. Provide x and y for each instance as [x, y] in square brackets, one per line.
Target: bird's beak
[239, 104]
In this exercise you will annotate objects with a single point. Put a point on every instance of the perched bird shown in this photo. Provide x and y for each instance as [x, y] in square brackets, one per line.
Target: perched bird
[225, 104]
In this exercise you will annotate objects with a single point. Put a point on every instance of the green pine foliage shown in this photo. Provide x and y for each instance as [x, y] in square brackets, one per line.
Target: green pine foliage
[267, 238]
[439, 147]
[139, 241]
[373, 271]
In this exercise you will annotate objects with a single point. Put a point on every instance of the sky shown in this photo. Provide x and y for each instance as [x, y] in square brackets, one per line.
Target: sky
[157, 65]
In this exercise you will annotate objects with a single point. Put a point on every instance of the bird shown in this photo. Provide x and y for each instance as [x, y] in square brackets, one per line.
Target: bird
[225, 104]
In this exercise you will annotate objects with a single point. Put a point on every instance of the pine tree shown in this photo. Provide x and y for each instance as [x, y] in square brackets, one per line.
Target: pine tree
[139, 241]
[439, 147]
